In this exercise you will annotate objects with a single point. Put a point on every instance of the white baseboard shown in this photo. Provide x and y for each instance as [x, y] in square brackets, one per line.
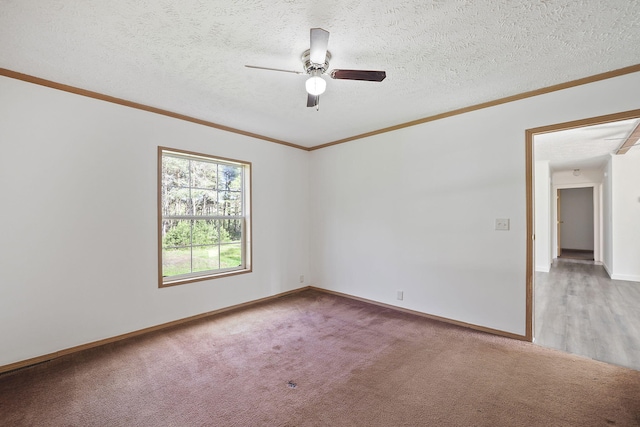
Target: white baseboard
[626, 277]
[543, 268]
[607, 269]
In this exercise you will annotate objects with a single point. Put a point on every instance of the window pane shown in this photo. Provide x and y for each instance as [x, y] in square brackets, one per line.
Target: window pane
[176, 261]
[176, 232]
[205, 258]
[204, 175]
[205, 232]
[205, 202]
[230, 203]
[230, 255]
[176, 201]
[229, 177]
[175, 172]
[230, 230]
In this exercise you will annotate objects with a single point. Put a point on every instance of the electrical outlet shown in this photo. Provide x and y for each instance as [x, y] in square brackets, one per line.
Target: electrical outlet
[301, 278]
[400, 295]
[502, 223]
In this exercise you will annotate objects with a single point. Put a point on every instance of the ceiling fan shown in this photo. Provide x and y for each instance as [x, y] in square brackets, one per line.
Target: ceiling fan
[315, 62]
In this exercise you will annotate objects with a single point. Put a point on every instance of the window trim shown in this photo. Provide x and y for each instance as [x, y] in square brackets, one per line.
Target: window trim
[246, 243]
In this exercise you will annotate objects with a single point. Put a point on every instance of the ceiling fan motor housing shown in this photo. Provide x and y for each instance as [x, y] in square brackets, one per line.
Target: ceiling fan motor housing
[312, 66]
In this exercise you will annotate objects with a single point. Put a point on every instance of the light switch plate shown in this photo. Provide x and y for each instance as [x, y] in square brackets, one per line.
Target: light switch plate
[502, 223]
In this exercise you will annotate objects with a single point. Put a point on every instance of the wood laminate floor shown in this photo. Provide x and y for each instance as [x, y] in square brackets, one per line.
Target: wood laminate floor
[580, 310]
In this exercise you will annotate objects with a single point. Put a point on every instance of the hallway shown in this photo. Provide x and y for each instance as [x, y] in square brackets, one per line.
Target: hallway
[580, 310]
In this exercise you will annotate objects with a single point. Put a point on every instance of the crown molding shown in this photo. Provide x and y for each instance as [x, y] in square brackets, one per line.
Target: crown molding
[95, 95]
[138, 106]
[524, 95]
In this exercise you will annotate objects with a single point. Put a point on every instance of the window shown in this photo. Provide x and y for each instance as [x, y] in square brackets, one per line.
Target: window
[203, 217]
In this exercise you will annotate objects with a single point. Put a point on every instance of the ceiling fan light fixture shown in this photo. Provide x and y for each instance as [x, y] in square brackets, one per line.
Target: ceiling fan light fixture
[315, 63]
[315, 84]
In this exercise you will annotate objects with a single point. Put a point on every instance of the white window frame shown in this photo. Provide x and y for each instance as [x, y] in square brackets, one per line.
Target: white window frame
[245, 217]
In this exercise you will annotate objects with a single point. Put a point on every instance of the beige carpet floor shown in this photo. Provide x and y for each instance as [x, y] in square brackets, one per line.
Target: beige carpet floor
[314, 359]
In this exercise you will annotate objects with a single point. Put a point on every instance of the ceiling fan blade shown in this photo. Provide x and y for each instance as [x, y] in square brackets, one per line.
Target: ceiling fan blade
[319, 44]
[312, 100]
[274, 69]
[370, 76]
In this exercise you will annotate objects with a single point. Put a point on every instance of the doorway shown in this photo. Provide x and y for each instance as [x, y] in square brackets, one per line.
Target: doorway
[575, 223]
[581, 173]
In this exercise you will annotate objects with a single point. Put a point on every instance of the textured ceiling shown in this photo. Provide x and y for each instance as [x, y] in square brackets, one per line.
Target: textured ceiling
[188, 56]
[588, 147]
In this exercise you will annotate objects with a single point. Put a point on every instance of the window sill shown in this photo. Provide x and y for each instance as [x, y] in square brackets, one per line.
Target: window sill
[175, 282]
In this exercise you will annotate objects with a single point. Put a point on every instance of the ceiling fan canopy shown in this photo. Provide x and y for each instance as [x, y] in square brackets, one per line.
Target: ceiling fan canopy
[315, 62]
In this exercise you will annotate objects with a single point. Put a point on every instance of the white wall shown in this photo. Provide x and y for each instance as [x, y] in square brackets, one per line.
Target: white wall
[414, 209]
[410, 210]
[625, 197]
[542, 215]
[567, 179]
[79, 243]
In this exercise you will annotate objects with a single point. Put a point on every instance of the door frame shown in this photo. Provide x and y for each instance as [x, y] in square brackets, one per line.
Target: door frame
[558, 215]
[530, 196]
